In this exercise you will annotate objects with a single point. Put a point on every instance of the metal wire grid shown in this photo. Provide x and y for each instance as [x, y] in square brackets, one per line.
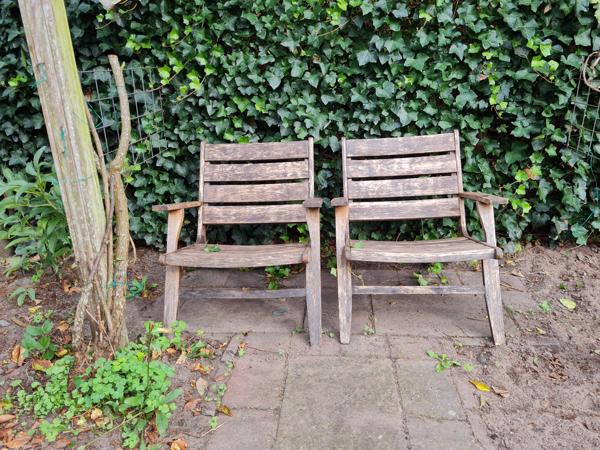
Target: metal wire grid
[145, 105]
[584, 129]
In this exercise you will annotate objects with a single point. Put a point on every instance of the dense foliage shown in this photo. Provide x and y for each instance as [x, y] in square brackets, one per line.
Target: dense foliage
[502, 71]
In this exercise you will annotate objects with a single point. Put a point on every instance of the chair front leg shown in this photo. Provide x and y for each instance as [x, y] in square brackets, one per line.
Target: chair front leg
[491, 276]
[313, 276]
[172, 273]
[344, 272]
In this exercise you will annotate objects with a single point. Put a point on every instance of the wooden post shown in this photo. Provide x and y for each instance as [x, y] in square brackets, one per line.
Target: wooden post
[61, 97]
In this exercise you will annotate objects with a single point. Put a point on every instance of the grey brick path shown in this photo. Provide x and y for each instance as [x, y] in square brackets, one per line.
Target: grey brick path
[378, 392]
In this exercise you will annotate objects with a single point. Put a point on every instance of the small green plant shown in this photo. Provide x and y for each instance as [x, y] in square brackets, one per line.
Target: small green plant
[138, 287]
[562, 287]
[213, 422]
[37, 341]
[298, 330]
[22, 293]
[444, 362]
[212, 248]
[420, 279]
[544, 306]
[473, 264]
[436, 269]
[368, 330]
[32, 217]
[275, 274]
[295, 231]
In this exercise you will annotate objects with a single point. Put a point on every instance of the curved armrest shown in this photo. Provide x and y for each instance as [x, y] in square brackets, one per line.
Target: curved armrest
[339, 201]
[486, 199]
[176, 206]
[313, 202]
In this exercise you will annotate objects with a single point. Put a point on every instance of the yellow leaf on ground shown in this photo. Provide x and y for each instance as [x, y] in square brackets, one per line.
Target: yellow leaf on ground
[16, 355]
[33, 309]
[178, 444]
[224, 410]
[480, 385]
[41, 364]
[62, 352]
[568, 303]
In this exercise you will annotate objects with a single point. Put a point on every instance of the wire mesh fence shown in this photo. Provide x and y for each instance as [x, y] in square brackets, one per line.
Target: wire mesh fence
[145, 105]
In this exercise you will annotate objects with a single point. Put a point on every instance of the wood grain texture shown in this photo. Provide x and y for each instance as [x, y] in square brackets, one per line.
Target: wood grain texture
[444, 250]
[172, 274]
[344, 272]
[396, 167]
[244, 293]
[488, 199]
[313, 276]
[236, 256]
[404, 209]
[313, 202]
[493, 300]
[339, 201]
[400, 146]
[175, 206]
[462, 222]
[257, 151]
[201, 236]
[417, 290]
[406, 187]
[254, 193]
[215, 215]
[270, 171]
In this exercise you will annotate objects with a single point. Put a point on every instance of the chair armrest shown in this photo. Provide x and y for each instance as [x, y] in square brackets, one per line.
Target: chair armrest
[176, 206]
[339, 201]
[313, 202]
[486, 199]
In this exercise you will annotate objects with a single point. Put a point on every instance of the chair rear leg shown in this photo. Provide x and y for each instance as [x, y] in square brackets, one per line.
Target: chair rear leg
[493, 299]
[172, 276]
[313, 299]
[344, 277]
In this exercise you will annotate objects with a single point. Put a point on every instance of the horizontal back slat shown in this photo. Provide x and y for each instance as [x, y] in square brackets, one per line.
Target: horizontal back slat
[395, 167]
[214, 215]
[256, 152]
[405, 209]
[257, 172]
[400, 146]
[405, 187]
[251, 193]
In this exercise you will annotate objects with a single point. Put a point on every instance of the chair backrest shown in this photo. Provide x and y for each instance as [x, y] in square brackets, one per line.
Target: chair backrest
[414, 177]
[255, 183]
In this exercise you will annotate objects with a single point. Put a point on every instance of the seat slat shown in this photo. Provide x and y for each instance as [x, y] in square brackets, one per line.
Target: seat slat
[256, 151]
[442, 250]
[214, 215]
[396, 167]
[405, 209]
[406, 187]
[400, 146]
[251, 193]
[235, 256]
[256, 172]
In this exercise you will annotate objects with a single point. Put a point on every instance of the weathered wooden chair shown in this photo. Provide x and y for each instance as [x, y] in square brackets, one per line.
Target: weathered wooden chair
[250, 184]
[412, 178]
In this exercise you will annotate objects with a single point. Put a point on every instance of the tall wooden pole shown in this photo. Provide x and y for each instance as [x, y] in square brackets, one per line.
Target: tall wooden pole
[61, 97]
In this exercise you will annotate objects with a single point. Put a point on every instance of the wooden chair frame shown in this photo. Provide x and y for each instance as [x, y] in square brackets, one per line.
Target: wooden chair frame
[279, 188]
[370, 179]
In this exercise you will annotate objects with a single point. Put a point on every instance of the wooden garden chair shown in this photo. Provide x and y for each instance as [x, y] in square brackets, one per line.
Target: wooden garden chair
[412, 178]
[250, 184]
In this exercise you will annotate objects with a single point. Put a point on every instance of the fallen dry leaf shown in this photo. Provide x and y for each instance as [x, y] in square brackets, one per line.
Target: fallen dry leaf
[63, 326]
[178, 444]
[16, 355]
[19, 322]
[6, 417]
[96, 413]
[61, 443]
[182, 358]
[568, 303]
[68, 288]
[171, 350]
[540, 331]
[224, 410]
[500, 391]
[482, 401]
[201, 385]
[204, 370]
[33, 309]
[480, 385]
[192, 404]
[62, 352]
[20, 440]
[41, 365]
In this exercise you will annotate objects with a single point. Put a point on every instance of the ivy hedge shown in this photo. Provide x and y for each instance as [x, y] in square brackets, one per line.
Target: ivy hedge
[504, 72]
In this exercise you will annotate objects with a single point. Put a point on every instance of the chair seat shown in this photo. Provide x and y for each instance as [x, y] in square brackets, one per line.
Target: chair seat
[236, 256]
[441, 250]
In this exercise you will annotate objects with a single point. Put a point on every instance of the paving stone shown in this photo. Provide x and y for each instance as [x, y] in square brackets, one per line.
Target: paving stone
[340, 403]
[426, 393]
[360, 346]
[204, 278]
[361, 311]
[427, 434]
[247, 429]
[414, 348]
[258, 377]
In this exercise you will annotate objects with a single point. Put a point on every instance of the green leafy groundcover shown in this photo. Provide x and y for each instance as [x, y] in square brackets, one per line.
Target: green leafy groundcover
[503, 72]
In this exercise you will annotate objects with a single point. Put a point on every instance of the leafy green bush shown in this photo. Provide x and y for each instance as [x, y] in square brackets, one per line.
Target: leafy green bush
[32, 217]
[502, 71]
[132, 387]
